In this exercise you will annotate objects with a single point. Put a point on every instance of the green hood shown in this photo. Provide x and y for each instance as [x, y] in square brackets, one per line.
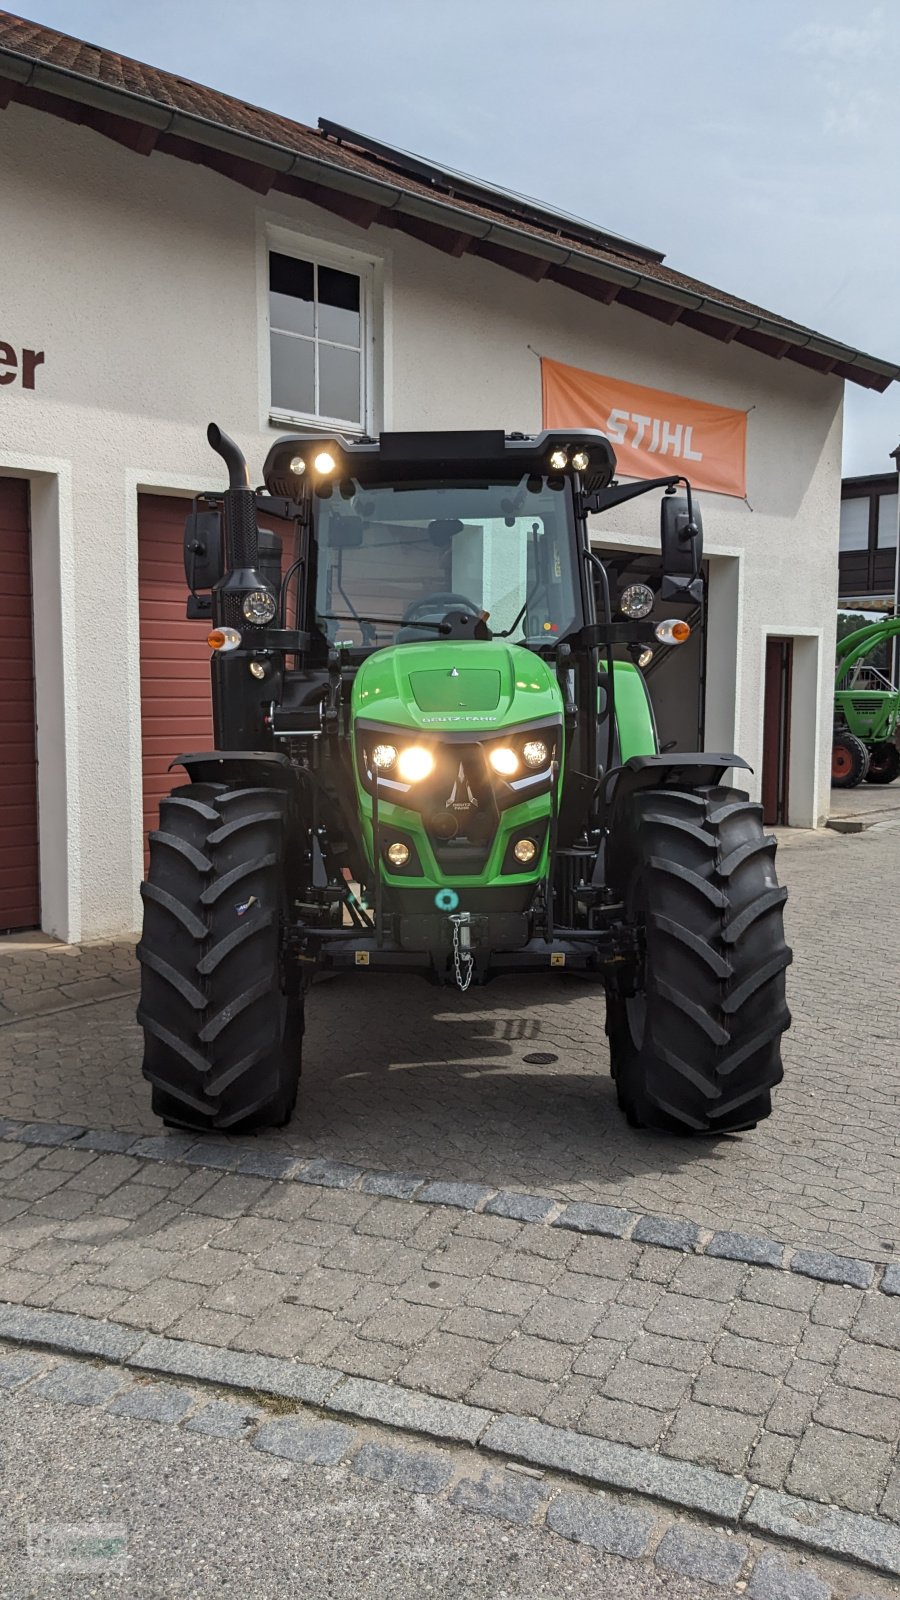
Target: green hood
[455, 685]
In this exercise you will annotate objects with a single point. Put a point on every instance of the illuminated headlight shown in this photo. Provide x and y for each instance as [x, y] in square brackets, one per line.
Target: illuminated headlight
[384, 755]
[524, 850]
[559, 461]
[581, 461]
[636, 601]
[672, 631]
[415, 763]
[324, 462]
[397, 854]
[298, 466]
[259, 606]
[535, 753]
[504, 761]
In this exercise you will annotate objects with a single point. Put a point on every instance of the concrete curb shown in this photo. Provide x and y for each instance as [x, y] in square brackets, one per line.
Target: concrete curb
[534, 1210]
[728, 1499]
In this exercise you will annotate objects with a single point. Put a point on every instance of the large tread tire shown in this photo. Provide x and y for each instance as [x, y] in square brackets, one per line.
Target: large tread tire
[222, 1038]
[849, 760]
[884, 762]
[697, 1048]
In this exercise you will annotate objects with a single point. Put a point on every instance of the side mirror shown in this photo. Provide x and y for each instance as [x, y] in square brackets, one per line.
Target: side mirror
[204, 553]
[682, 549]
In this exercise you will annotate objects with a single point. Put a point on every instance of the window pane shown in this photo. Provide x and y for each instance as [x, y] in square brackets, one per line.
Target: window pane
[338, 307]
[293, 373]
[887, 522]
[855, 524]
[338, 383]
[291, 288]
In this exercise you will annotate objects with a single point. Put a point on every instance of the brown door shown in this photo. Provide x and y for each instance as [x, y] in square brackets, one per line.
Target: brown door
[176, 704]
[19, 869]
[777, 730]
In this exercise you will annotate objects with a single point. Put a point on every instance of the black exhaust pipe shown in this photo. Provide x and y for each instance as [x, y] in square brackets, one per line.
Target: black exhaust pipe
[232, 455]
[239, 506]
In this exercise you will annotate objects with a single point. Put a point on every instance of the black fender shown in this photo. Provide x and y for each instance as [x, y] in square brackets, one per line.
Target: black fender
[268, 768]
[679, 769]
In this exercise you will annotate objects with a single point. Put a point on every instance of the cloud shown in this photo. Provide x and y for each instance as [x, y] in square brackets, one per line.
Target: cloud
[838, 42]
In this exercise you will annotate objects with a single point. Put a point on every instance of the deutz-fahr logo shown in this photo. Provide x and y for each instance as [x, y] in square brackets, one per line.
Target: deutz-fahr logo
[472, 716]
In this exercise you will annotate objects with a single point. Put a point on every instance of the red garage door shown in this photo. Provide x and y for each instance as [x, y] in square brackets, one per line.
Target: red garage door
[176, 708]
[19, 872]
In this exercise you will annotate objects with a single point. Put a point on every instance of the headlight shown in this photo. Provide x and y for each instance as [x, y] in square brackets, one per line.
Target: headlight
[298, 466]
[581, 461]
[504, 761]
[536, 753]
[324, 462]
[672, 631]
[524, 850]
[397, 854]
[645, 657]
[259, 606]
[559, 460]
[415, 763]
[384, 755]
[636, 601]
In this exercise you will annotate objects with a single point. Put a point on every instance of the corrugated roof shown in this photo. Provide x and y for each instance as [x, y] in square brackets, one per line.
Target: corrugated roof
[368, 182]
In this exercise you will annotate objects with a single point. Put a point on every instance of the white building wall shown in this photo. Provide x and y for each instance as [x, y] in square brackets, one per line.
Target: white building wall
[143, 281]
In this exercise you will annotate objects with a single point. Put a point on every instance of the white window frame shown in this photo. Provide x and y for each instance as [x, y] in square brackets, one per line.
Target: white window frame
[323, 254]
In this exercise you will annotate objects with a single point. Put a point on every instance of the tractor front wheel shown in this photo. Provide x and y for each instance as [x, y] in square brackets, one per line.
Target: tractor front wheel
[849, 761]
[222, 1034]
[696, 1043]
[884, 763]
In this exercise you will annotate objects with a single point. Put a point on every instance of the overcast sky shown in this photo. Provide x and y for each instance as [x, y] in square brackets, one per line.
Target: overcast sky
[754, 141]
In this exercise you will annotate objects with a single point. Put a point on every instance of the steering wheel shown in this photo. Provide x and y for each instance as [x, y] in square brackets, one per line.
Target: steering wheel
[441, 603]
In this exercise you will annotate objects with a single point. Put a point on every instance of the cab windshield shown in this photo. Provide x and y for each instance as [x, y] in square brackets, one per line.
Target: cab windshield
[392, 561]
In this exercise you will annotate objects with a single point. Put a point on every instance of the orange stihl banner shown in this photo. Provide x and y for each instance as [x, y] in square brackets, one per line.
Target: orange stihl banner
[652, 433]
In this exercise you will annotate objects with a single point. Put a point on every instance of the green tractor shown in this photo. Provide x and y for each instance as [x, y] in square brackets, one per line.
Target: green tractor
[866, 710]
[436, 755]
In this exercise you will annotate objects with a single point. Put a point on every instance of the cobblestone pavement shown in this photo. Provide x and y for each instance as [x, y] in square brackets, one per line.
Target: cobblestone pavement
[509, 1085]
[142, 1484]
[787, 1381]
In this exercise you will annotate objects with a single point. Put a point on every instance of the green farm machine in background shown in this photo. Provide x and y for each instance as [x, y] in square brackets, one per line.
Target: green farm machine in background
[866, 710]
[436, 756]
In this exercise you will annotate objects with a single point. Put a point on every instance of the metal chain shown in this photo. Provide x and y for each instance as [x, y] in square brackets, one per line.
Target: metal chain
[463, 963]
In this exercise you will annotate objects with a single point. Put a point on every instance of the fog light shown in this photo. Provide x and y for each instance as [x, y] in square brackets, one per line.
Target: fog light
[504, 761]
[559, 460]
[525, 850]
[636, 601]
[259, 606]
[324, 462]
[397, 854]
[259, 669]
[384, 755]
[415, 763]
[298, 465]
[223, 639]
[536, 753]
[645, 657]
[581, 461]
[672, 631]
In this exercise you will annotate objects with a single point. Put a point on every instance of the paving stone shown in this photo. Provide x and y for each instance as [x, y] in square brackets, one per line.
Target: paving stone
[164, 1146]
[473, 1322]
[561, 1320]
[158, 1306]
[19, 1366]
[844, 1468]
[509, 1391]
[500, 1494]
[661, 1388]
[566, 1403]
[712, 1436]
[295, 1380]
[833, 1269]
[752, 1355]
[837, 1532]
[48, 1133]
[604, 1258]
[687, 1317]
[401, 1323]
[224, 1419]
[402, 1408]
[327, 1174]
[781, 1290]
[656, 1265]
[610, 1220]
[319, 1444]
[419, 1471]
[808, 1376]
[540, 1241]
[533, 1358]
[745, 1247]
[106, 1140]
[890, 1283]
[399, 1185]
[671, 1232]
[503, 1295]
[858, 1411]
[869, 1366]
[62, 1331]
[735, 1390]
[836, 1306]
[821, 1344]
[269, 1164]
[78, 1383]
[890, 1503]
[211, 1327]
[685, 1355]
[771, 1459]
[694, 1553]
[618, 1530]
[499, 1230]
[878, 1322]
[466, 1196]
[446, 1365]
[622, 1422]
[154, 1402]
[230, 1196]
[790, 1412]
[598, 1292]
[708, 1280]
[598, 1357]
[470, 1258]
[768, 1323]
[774, 1579]
[521, 1207]
[247, 1293]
